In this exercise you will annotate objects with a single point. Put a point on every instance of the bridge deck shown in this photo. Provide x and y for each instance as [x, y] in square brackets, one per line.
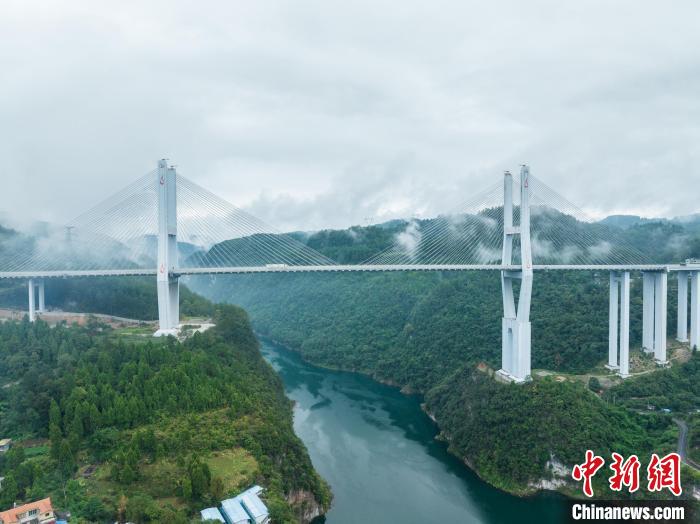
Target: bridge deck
[340, 269]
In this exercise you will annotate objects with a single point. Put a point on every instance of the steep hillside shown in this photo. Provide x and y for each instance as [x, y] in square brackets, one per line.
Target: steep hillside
[133, 297]
[148, 430]
[427, 332]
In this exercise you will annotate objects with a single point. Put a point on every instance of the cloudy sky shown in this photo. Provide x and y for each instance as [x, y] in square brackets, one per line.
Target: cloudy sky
[313, 113]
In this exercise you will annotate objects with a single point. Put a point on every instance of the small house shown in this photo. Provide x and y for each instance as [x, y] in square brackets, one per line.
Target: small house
[246, 508]
[255, 507]
[233, 512]
[212, 514]
[5, 445]
[39, 512]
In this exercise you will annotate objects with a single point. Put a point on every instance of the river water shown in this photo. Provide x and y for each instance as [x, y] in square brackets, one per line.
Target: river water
[377, 449]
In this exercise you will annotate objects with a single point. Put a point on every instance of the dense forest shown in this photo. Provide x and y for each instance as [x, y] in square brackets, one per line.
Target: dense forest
[507, 433]
[427, 332]
[412, 328]
[677, 389]
[133, 297]
[117, 425]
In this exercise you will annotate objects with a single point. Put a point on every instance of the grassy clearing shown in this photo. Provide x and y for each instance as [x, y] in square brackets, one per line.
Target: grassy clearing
[36, 451]
[236, 467]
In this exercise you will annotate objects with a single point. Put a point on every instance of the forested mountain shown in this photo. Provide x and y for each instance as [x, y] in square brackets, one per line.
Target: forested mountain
[147, 430]
[133, 297]
[428, 332]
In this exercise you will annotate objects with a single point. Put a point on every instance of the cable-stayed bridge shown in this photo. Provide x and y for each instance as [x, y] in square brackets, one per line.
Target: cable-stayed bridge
[166, 226]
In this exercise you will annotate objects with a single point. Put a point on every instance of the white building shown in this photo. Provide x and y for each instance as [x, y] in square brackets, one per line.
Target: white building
[255, 507]
[246, 508]
[233, 512]
[212, 514]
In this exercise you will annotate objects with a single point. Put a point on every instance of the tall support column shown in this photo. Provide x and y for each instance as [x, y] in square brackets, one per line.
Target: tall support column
[695, 309]
[619, 323]
[516, 328]
[508, 321]
[660, 291]
[682, 327]
[42, 297]
[648, 312]
[625, 324]
[32, 310]
[168, 283]
[525, 298]
[613, 322]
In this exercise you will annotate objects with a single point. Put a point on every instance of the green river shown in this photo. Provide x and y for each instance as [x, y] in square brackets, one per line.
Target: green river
[377, 449]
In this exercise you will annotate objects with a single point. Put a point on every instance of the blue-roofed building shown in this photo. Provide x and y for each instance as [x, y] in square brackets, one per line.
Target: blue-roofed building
[255, 507]
[233, 511]
[255, 490]
[246, 508]
[212, 514]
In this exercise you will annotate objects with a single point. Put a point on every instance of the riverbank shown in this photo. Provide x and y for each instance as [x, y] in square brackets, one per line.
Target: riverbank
[523, 439]
[378, 451]
[559, 480]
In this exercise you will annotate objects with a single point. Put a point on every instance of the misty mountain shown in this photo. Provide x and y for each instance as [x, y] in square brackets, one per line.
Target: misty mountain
[626, 221]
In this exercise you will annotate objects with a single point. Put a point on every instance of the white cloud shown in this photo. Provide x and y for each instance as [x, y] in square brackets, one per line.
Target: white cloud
[409, 239]
[318, 113]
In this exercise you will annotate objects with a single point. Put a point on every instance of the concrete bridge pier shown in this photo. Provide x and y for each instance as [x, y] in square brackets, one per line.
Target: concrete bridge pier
[655, 291]
[42, 297]
[660, 303]
[682, 324]
[619, 326]
[648, 311]
[32, 296]
[168, 283]
[695, 309]
[32, 287]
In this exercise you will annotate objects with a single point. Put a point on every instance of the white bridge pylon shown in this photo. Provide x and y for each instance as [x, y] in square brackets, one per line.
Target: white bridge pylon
[516, 328]
[168, 282]
[516, 333]
[132, 221]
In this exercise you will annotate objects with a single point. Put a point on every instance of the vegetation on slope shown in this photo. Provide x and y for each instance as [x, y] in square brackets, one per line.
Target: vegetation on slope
[426, 332]
[511, 434]
[677, 388]
[148, 431]
[413, 328]
[133, 297]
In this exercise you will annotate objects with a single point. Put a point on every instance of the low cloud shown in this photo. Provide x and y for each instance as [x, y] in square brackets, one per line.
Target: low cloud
[326, 115]
[409, 239]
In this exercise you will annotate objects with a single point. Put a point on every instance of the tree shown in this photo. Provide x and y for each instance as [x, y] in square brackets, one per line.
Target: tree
[186, 486]
[217, 488]
[142, 508]
[9, 491]
[94, 510]
[66, 459]
[200, 477]
[55, 433]
[14, 457]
